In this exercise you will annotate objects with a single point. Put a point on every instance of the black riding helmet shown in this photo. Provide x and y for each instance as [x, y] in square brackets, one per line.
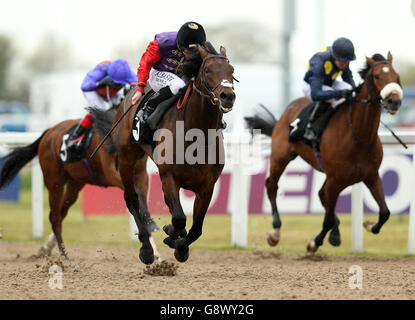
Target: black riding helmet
[190, 35]
[343, 50]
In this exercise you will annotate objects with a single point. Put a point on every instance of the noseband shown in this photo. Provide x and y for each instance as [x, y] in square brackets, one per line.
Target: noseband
[210, 92]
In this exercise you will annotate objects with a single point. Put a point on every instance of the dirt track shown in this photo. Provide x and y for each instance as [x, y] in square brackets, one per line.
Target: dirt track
[109, 272]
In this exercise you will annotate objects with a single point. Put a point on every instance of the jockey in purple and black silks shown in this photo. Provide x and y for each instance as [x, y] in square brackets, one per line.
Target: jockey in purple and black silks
[161, 64]
[103, 88]
[328, 81]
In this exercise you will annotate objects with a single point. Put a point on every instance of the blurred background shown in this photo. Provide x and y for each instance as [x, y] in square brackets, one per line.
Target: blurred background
[47, 47]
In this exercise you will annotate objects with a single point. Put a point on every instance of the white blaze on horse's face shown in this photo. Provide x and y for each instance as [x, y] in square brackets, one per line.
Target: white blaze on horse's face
[386, 81]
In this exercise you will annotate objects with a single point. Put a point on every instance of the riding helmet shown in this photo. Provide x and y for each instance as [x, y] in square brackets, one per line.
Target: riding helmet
[120, 72]
[190, 35]
[343, 50]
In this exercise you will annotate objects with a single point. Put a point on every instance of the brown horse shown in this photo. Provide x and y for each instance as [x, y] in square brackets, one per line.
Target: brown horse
[212, 95]
[64, 181]
[350, 148]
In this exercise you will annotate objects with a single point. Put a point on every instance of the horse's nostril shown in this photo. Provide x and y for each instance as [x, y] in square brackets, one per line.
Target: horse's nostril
[227, 95]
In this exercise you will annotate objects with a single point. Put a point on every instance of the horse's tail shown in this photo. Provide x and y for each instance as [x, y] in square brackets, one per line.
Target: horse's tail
[265, 123]
[103, 123]
[16, 160]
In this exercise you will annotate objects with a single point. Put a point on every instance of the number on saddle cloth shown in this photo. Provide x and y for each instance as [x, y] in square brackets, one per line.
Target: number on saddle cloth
[68, 155]
[142, 133]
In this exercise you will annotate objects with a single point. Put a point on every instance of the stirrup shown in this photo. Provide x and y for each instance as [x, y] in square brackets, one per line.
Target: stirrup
[311, 135]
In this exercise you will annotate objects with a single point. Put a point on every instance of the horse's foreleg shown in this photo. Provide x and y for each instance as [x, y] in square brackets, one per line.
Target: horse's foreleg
[334, 236]
[376, 188]
[277, 168]
[200, 207]
[171, 197]
[331, 193]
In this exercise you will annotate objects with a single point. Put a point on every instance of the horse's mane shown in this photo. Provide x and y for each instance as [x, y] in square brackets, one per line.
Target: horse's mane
[191, 67]
[363, 72]
[365, 69]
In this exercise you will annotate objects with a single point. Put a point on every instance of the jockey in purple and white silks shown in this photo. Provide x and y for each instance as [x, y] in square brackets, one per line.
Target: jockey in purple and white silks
[103, 87]
[328, 81]
[160, 65]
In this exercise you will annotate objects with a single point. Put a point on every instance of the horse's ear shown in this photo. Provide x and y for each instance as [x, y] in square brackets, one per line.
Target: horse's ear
[222, 51]
[390, 57]
[370, 61]
[202, 51]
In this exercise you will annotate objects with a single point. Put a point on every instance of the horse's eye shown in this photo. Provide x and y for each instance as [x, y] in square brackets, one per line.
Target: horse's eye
[376, 77]
[206, 70]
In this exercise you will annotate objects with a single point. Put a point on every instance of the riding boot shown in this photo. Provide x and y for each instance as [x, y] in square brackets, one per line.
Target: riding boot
[320, 115]
[75, 138]
[316, 127]
[153, 102]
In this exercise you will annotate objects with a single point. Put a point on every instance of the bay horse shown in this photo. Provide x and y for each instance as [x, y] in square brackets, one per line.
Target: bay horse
[64, 181]
[211, 95]
[350, 147]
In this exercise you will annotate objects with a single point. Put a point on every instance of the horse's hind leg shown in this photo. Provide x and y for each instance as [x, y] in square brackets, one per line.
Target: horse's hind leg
[146, 254]
[376, 188]
[141, 188]
[56, 191]
[278, 165]
[334, 236]
[331, 193]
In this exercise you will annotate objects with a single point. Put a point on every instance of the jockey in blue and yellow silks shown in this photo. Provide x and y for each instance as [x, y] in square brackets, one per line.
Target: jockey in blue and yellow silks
[328, 81]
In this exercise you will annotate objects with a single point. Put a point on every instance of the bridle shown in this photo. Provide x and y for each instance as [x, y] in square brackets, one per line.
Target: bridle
[378, 100]
[210, 92]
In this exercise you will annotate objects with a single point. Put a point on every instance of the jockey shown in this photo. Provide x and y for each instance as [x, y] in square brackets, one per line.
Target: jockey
[162, 62]
[103, 88]
[321, 84]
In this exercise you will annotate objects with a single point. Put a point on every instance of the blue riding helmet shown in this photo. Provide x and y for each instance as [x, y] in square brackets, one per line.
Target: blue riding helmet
[120, 72]
[343, 50]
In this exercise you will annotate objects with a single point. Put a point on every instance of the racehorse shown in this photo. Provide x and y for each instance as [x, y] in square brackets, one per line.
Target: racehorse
[350, 148]
[64, 181]
[211, 95]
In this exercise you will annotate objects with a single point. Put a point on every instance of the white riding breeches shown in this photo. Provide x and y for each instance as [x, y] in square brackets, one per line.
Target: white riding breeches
[161, 79]
[337, 85]
[96, 100]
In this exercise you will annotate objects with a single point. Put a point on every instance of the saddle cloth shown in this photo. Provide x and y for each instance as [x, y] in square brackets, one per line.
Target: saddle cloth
[142, 133]
[72, 155]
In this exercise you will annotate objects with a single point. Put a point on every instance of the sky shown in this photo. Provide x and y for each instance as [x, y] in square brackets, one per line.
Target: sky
[93, 27]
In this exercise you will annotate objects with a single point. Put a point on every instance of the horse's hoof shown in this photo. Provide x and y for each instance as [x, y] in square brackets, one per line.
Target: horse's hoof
[43, 252]
[146, 256]
[181, 255]
[335, 240]
[273, 237]
[311, 247]
[168, 229]
[171, 243]
[369, 226]
[152, 227]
